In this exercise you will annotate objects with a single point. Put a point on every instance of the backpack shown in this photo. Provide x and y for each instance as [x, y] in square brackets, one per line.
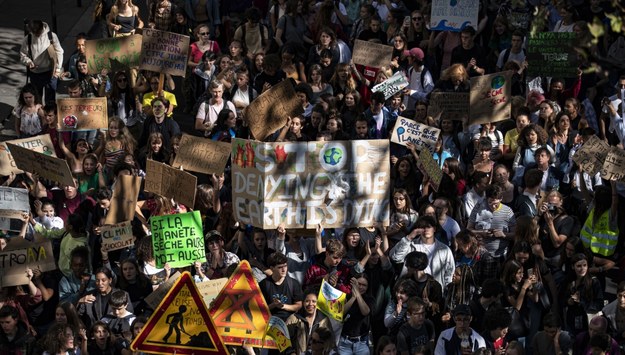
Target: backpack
[425, 71]
[51, 52]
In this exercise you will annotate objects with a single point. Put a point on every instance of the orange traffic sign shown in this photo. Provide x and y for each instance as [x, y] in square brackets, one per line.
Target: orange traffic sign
[180, 324]
[240, 312]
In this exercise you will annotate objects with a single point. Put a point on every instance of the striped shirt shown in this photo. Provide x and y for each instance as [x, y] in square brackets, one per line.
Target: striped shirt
[502, 219]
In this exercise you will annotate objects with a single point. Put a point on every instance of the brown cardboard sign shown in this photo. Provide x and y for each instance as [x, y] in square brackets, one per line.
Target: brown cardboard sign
[371, 54]
[170, 182]
[490, 98]
[124, 200]
[83, 114]
[118, 52]
[48, 167]
[202, 155]
[164, 52]
[21, 254]
[117, 236]
[41, 144]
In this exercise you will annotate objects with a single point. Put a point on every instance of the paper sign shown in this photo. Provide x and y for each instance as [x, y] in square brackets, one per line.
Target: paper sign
[591, 155]
[302, 184]
[124, 200]
[422, 136]
[614, 165]
[449, 105]
[490, 98]
[553, 53]
[117, 236]
[202, 155]
[178, 239]
[173, 183]
[210, 289]
[371, 54]
[20, 254]
[392, 85]
[454, 15]
[271, 109]
[109, 53]
[82, 114]
[278, 330]
[164, 52]
[180, 324]
[154, 298]
[14, 199]
[240, 312]
[48, 167]
[331, 301]
[13, 221]
[430, 167]
[41, 144]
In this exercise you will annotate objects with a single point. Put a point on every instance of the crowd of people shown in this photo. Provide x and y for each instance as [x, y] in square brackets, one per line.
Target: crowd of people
[512, 254]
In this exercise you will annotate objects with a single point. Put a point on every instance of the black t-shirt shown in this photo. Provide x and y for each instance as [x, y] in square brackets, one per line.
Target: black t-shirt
[356, 324]
[288, 292]
[463, 56]
[563, 226]
[409, 338]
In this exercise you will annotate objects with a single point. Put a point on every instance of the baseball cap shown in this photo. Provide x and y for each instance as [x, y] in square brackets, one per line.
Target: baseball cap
[213, 235]
[415, 52]
[462, 309]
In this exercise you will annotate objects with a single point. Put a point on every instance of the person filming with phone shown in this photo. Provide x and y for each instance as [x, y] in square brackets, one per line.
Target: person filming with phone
[555, 225]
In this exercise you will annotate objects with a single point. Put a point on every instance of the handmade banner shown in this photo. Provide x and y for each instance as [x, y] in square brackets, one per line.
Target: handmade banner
[210, 289]
[591, 155]
[449, 105]
[41, 144]
[371, 54]
[178, 239]
[240, 311]
[109, 53]
[13, 221]
[420, 135]
[430, 167]
[48, 167]
[331, 301]
[20, 254]
[271, 109]
[14, 199]
[164, 52]
[124, 200]
[173, 183]
[302, 184]
[553, 53]
[202, 155]
[614, 165]
[392, 85]
[454, 15]
[83, 114]
[278, 330]
[490, 98]
[117, 236]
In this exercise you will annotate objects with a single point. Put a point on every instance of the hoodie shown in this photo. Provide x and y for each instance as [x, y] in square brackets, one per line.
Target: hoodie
[41, 57]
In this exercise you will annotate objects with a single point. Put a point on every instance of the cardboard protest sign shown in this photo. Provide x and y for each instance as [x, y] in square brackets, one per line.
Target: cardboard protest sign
[455, 15]
[449, 105]
[591, 155]
[331, 301]
[48, 167]
[41, 144]
[14, 199]
[490, 98]
[178, 239]
[173, 183]
[164, 52]
[422, 136]
[371, 54]
[14, 221]
[202, 155]
[124, 200]
[117, 236]
[614, 165]
[392, 85]
[271, 109]
[210, 289]
[302, 184]
[430, 167]
[82, 114]
[154, 298]
[118, 52]
[20, 254]
[553, 53]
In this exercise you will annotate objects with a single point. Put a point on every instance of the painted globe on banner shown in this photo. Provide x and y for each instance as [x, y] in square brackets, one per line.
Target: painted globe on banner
[333, 156]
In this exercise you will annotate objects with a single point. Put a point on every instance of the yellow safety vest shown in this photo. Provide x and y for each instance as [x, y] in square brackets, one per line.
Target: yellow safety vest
[599, 238]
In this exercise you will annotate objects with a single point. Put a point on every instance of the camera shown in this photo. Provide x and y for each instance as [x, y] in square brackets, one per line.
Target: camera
[551, 207]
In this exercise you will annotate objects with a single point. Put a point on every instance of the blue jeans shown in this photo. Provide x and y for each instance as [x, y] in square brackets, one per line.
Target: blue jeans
[355, 347]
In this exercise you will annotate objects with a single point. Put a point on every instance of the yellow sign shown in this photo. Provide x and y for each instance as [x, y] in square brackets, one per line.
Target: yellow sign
[331, 301]
[278, 330]
[240, 312]
[180, 324]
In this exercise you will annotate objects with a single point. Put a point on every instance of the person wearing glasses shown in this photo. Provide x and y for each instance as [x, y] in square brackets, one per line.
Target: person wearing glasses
[460, 339]
[417, 33]
[150, 96]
